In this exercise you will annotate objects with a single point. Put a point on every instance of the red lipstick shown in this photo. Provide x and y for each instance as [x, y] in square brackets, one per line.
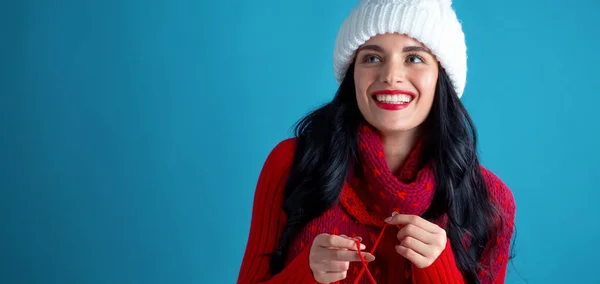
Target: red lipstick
[392, 106]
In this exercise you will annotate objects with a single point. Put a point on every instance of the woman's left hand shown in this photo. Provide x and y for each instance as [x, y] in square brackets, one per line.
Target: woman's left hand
[421, 241]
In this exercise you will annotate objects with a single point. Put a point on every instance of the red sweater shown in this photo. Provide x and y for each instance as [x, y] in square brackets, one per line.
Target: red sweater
[268, 220]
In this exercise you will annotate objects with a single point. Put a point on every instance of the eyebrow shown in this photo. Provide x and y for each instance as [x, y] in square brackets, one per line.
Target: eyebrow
[411, 48]
[414, 48]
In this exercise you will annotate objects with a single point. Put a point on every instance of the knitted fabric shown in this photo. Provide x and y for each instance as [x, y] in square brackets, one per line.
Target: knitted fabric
[268, 221]
[432, 22]
[388, 267]
[410, 192]
[370, 197]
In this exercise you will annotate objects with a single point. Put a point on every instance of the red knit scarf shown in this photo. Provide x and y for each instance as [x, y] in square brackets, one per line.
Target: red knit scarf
[377, 192]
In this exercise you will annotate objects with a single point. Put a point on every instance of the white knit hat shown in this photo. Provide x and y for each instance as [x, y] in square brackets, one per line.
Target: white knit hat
[432, 22]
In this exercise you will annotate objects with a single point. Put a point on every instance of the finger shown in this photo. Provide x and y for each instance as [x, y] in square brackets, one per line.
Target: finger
[336, 266]
[343, 255]
[343, 236]
[330, 277]
[403, 219]
[418, 233]
[414, 257]
[355, 238]
[333, 241]
[418, 246]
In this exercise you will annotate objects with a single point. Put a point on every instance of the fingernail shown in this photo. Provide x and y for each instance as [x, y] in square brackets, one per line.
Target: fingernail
[362, 247]
[369, 257]
[358, 238]
[388, 219]
[344, 236]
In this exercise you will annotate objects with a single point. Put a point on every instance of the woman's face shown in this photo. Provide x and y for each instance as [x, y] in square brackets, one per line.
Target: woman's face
[395, 78]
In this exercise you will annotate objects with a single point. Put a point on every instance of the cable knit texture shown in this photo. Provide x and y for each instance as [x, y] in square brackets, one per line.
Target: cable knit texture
[432, 22]
[357, 214]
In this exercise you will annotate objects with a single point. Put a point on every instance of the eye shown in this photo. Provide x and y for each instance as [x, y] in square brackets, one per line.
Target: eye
[371, 59]
[414, 58]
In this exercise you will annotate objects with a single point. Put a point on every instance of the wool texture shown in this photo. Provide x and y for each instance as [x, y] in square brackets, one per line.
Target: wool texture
[360, 213]
[432, 22]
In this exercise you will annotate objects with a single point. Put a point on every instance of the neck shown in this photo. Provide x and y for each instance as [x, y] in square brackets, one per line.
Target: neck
[397, 148]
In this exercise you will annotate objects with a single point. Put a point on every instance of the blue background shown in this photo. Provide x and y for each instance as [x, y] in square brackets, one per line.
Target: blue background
[133, 132]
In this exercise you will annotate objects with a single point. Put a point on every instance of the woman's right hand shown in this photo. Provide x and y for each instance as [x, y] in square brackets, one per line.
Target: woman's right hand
[330, 257]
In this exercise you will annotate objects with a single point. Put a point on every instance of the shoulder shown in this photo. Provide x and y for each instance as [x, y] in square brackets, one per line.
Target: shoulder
[500, 194]
[273, 176]
[282, 154]
[278, 164]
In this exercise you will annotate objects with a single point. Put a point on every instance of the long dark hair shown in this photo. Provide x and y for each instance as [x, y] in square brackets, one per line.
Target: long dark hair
[327, 146]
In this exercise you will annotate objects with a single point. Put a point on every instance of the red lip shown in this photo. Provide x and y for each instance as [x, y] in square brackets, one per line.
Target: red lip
[387, 106]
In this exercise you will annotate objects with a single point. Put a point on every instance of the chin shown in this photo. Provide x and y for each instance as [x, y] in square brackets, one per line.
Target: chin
[394, 127]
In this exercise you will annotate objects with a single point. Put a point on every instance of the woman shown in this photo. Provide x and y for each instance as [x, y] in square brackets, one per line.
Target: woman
[383, 184]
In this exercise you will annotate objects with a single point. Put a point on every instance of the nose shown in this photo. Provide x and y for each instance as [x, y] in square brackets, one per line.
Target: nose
[392, 72]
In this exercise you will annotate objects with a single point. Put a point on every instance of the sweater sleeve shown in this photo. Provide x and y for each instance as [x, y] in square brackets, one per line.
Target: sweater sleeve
[267, 223]
[495, 256]
[442, 270]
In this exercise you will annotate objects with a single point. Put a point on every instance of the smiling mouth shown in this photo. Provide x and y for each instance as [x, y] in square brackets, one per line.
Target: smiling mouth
[393, 99]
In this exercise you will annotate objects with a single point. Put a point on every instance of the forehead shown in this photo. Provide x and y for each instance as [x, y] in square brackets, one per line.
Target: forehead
[393, 41]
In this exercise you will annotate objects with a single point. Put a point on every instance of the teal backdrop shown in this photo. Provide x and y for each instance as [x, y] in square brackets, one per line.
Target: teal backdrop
[133, 132]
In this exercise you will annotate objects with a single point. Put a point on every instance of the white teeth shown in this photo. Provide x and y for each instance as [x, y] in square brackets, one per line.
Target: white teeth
[394, 99]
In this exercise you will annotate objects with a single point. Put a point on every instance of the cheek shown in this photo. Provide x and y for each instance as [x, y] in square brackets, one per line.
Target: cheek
[362, 81]
[425, 82]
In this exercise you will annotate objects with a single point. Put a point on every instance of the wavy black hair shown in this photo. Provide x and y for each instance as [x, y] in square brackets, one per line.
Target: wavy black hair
[327, 148]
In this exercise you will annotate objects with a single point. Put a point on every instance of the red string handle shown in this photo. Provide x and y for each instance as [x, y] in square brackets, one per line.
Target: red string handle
[362, 259]
[365, 268]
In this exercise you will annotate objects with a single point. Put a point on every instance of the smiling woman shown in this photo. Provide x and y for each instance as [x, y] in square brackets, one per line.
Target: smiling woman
[395, 148]
[394, 72]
